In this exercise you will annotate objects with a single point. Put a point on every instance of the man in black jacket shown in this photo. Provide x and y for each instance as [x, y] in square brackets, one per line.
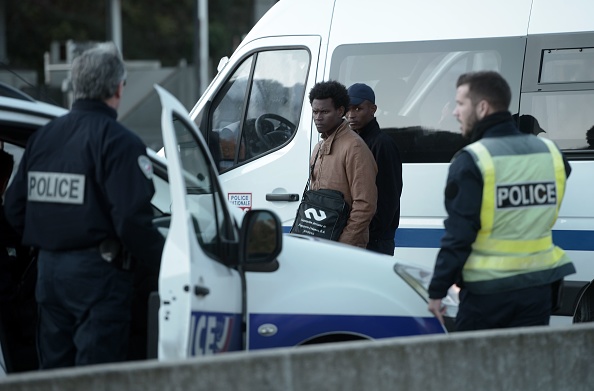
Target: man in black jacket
[361, 119]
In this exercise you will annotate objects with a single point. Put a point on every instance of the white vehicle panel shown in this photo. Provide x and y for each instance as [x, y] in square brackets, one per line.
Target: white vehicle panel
[253, 178]
[32, 114]
[423, 256]
[437, 20]
[174, 320]
[11, 106]
[287, 20]
[577, 202]
[428, 204]
[553, 16]
[291, 306]
[200, 298]
[366, 280]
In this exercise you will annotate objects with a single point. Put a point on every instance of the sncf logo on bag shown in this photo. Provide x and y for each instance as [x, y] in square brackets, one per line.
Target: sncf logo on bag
[317, 215]
[322, 213]
[312, 224]
[526, 194]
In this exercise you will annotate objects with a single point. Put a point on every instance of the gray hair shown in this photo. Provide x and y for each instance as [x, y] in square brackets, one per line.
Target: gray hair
[98, 72]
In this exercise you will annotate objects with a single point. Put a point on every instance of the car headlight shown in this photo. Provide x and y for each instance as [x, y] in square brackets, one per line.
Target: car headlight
[419, 278]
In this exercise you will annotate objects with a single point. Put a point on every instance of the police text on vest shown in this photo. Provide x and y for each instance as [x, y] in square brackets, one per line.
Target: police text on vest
[526, 194]
[56, 187]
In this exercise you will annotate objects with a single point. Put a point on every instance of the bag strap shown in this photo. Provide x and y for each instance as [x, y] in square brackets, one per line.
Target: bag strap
[311, 172]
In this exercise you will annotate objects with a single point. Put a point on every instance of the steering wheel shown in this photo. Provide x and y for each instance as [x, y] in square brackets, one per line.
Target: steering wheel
[271, 136]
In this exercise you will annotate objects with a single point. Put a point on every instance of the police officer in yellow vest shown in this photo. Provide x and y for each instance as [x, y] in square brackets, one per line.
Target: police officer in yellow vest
[503, 194]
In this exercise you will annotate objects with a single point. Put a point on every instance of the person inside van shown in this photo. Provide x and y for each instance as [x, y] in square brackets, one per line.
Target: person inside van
[528, 124]
[361, 119]
[342, 161]
[590, 138]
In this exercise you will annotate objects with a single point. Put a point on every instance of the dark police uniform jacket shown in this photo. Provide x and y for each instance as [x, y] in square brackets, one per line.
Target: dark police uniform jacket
[463, 200]
[84, 178]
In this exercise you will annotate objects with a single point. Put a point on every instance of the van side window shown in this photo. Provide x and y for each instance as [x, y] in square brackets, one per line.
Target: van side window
[558, 91]
[564, 117]
[223, 138]
[258, 108]
[213, 226]
[415, 87]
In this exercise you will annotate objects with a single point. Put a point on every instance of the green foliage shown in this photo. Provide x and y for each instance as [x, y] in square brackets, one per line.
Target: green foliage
[163, 30]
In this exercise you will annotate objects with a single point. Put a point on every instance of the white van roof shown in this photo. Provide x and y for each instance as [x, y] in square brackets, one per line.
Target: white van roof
[554, 16]
[354, 21]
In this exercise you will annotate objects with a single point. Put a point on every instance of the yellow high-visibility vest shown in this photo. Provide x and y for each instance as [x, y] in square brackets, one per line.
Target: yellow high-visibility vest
[524, 182]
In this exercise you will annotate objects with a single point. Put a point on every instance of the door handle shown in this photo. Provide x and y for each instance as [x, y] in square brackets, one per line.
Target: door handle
[282, 197]
[201, 290]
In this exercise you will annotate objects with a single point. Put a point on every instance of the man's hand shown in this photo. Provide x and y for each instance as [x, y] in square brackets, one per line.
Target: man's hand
[436, 309]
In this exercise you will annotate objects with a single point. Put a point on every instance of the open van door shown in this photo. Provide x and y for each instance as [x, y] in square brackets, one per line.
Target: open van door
[255, 121]
[200, 297]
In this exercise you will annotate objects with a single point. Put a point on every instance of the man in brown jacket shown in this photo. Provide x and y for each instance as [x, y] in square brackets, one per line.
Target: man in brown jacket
[344, 162]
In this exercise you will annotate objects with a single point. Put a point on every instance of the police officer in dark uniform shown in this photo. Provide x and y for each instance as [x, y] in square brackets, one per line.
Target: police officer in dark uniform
[82, 196]
[502, 196]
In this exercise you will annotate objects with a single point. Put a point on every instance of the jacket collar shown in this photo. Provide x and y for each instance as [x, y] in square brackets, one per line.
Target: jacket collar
[94, 105]
[490, 121]
[369, 129]
[326, 146]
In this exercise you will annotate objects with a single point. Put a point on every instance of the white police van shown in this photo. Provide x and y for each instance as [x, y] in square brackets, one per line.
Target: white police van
[257, 118]
[229, 279]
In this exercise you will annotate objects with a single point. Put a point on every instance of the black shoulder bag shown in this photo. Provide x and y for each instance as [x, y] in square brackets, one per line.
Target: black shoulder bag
[322, 213]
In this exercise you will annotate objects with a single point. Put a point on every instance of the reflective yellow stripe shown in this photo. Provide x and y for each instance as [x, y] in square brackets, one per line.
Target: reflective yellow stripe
[477, 267]
[488, 170]
[560, 176]
[484, 243]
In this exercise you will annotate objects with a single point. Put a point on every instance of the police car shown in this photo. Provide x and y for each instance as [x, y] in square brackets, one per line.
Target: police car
[230, 280]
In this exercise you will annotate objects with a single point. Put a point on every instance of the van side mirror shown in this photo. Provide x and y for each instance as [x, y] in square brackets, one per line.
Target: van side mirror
[261, 237]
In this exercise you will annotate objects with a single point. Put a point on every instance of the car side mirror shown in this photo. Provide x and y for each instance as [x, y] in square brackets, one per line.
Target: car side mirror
[261, 237]
[222, 62]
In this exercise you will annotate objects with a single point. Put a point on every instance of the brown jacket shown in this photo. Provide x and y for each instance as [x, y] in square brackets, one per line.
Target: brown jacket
[346, 164]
